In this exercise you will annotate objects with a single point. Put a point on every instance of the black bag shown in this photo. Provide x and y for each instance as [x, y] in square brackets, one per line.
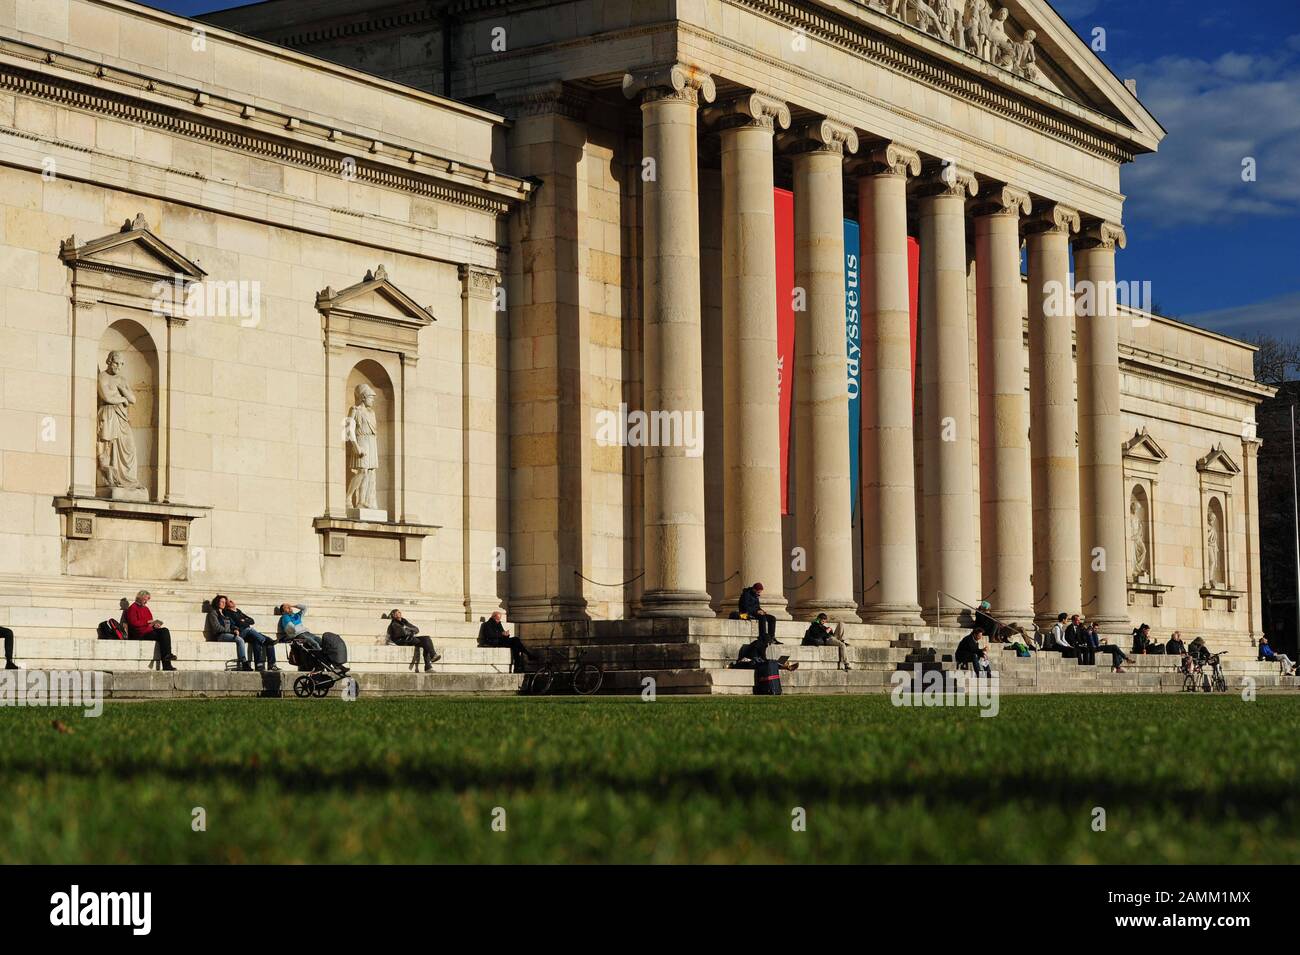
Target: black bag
[767, 678]
[111, 630]
[333, 648]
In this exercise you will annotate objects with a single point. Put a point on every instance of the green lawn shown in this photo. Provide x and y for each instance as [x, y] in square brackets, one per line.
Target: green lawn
[1182, 779]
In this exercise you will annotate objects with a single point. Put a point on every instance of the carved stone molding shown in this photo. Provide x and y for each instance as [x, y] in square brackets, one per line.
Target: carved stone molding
[544, 99]
[749, 109]
[889, 159]
[1001, 200]
[81, 513]
[671, 81]
[335, 532]
[477, 282]
[821, 135]
[374, 313]
[1102, 235]
[1053, 217]
[948, 180]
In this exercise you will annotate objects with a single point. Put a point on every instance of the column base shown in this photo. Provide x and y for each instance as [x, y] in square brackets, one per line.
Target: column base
[839, 611]
[547, 609]
[901, 615]
[675, 603]
[950, 619]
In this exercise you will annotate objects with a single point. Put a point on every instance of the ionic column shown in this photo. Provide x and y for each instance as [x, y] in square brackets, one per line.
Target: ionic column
[947, 468]
[1054, 458]
[675, 579]
[752, 445]
[888, 471]
[1102, 520]
[823, 503]
[1007, 552]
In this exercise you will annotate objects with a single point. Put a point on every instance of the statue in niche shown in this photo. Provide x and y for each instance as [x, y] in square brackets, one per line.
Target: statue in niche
[363, 444]
[1213, 541]
[1139, 538]
[116, 454]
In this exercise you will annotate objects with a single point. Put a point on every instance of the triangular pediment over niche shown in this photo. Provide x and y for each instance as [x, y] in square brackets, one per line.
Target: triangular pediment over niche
[375, 298]
[1030, 41]
[1217, 461]
[1144, 447]
[133, 250]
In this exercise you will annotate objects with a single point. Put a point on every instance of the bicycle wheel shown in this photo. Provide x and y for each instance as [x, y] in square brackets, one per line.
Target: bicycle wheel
[1220, 682]
[542, 681]
[587, 678]
[1189, 683]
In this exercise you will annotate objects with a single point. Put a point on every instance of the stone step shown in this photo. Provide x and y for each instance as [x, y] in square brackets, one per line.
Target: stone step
[181, 684]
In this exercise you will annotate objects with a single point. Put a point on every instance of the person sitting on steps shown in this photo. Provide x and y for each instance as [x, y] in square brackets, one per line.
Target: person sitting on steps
[1057, 639]
[291, 624]
[1267, 653]
[218, 629]
[970, 651]
[751, 608]
[1098, 644]
[263, 646]
[754, 653]
[403, 633]
[1076, 634]
[8, 636]
[819, 634]
[491, 633]
[140, 625]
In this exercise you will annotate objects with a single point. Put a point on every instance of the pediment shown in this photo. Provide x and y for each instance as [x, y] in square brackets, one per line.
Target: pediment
[1030, 41]
[1143, 447]
[133, 250]
[1217, 461]
[375, 298]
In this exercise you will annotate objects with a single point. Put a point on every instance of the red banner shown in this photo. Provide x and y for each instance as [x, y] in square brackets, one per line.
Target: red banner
[783, 202]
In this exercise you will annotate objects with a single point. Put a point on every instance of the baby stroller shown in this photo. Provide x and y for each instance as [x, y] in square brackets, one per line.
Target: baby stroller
[323, 671]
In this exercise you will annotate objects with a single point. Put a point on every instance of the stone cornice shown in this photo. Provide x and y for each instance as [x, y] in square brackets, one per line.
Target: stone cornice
[78, 83]
[544, 99]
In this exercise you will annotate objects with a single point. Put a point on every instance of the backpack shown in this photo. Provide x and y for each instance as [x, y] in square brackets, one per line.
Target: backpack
[767, 678]
[111, 630]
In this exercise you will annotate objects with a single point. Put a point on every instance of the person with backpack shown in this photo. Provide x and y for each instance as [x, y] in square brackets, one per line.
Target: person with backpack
[263, 646]
[403, 633]
[140, 625]
[217, 628]
[819, 634]
[8, 636]
[751, 608]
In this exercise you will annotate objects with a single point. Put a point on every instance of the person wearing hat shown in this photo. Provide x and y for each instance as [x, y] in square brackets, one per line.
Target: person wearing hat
[751, 608]
[819, 634]
[984, 621]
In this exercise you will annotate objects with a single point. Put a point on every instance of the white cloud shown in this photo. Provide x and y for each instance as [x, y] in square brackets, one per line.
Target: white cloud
[1218, 113]
[1278, 316]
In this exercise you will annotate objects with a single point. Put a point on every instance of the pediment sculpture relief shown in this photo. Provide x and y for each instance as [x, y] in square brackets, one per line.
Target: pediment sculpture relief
[970, 25]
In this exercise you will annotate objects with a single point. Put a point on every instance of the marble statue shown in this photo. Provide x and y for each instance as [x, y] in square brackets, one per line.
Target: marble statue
[363, 443]
[117, 465]
[970, 25]
[1213, 541]
[1138, 537]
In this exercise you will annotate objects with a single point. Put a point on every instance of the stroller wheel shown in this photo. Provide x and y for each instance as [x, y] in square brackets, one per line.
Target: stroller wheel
[302, 687]
[321, 688]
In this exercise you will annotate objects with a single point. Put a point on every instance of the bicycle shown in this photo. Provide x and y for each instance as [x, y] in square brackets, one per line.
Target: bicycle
[1197, 676]
[585, 679]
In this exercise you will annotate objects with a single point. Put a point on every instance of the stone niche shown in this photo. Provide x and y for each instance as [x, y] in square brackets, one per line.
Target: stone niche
[1142, 459]
[123, 515]
[371, 337]
[1218, 473]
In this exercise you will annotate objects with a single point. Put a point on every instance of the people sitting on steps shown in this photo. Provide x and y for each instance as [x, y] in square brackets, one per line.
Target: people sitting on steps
[291, 624]
[263, 646]
[218, 629]
[492, 633]
[1099, 644]
[985, 622]
[754, 653]
[1057, 639]
[1175, 645]
[751, 608]
[1076, 634]
[1143, 642]
[1268, 654]
[403, 633]
[820, 634]
[8, 636]
[140, 625]
[970, 652]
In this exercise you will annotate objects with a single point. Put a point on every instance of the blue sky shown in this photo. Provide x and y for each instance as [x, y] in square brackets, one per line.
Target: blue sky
[1223, 77]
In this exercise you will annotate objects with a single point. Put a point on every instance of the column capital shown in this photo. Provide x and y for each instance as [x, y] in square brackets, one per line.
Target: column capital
[477, 282]
[544, 99]
[1000, 200]
[1052, 217]
[890, 159]
[1102, 235]
[821, 135]
[670, 81]
[948, 180]
[749, 109]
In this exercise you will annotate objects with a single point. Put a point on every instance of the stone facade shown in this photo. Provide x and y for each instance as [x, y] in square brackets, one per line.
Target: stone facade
[595, 233]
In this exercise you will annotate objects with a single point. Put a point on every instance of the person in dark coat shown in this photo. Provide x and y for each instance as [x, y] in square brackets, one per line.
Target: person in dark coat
[493, 634]
[1142, 642]
[1076, 634]
[984, 621]
[403, 633]
[754, 653]
[819, 634]
[751, 607]
[970, 651]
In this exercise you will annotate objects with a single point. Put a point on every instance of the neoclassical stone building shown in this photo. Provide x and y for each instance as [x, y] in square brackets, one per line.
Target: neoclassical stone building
[339, 312]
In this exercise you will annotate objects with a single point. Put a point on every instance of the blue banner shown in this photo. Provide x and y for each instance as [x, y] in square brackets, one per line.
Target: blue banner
[853, 350]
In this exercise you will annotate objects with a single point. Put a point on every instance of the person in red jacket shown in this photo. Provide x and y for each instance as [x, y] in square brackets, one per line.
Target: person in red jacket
[140, 625]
